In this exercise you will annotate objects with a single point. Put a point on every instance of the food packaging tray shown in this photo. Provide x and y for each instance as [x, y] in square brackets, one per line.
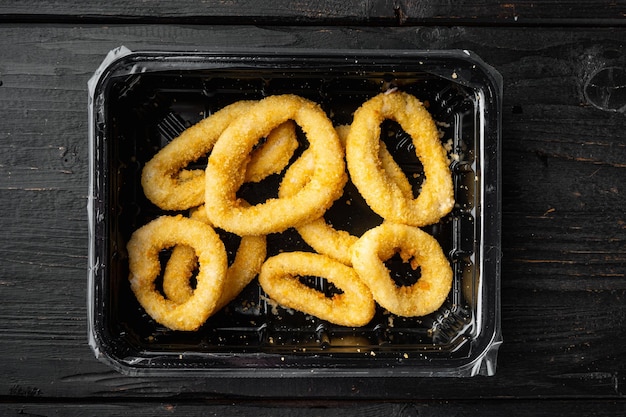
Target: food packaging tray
[139, 101]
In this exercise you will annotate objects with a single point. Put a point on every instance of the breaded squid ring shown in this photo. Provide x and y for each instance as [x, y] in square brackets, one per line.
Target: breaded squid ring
[183, 262]
[229, 156]
[171, 187]
[279, 279]
[381, 192]
[143, 258]
[318, 234]
[178, 272]
[415, 246]
[274, 154]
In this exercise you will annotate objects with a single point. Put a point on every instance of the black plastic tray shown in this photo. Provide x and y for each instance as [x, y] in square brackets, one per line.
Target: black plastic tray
[139, 101]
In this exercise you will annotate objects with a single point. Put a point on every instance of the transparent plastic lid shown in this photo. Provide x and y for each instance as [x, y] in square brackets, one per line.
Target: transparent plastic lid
[140, 101]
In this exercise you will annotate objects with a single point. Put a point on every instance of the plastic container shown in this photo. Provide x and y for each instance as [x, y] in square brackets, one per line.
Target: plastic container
[141, 100]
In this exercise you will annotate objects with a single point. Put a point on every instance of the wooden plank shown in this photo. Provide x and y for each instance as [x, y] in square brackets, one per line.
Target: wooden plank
[317, 408]
[564, 243]
[375, 12]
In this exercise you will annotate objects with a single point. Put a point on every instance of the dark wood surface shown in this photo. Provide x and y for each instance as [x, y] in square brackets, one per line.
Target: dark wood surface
[564, 203]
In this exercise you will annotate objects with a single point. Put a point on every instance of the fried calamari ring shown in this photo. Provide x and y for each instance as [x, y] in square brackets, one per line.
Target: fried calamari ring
[178, 272]
[163, 178]
[171, 187]
[279, 279]
[394, 172]
[390, 166]
[318, 234]
[274, 154]
[183, 262]
[382, 193]
[229, 156]
[415, 246]
[143, 257]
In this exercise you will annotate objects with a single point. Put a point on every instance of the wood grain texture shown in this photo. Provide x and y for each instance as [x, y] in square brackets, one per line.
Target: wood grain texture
[285, 12]
[322, 408]
[564, 223]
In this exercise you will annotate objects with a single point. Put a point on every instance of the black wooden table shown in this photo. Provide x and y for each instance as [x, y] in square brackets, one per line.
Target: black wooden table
[563, 186]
